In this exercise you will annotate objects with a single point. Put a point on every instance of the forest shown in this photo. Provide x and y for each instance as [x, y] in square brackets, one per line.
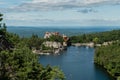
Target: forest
[106, 56]
[98, 37]
[109, 58]
[17, 62]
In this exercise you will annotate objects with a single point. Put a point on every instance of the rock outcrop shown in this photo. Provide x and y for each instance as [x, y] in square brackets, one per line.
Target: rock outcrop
[51, 44]
[91, 44]
[54, 48]
[55, 43]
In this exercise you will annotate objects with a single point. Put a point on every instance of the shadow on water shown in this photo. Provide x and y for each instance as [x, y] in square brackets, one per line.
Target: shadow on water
[77, 63]
[100, 68]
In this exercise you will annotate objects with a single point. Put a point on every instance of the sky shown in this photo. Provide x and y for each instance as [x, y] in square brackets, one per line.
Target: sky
[61, 12]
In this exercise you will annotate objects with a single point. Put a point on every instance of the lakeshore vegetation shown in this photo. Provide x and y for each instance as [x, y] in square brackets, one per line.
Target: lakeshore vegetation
[106, 56]
[17, 62]
[98, 37]
[109, 58]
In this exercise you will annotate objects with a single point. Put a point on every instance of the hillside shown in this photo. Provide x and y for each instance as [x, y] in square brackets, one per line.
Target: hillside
[17, 62]
[109, 58]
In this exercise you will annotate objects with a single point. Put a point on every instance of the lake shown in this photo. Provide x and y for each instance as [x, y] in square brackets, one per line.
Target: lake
[77, 63]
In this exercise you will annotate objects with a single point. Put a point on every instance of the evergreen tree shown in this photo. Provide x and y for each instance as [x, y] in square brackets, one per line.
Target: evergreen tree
[19, 63]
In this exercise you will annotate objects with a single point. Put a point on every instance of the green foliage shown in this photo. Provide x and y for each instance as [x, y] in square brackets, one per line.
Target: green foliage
[13, 38]
[106, 56]
[95, 40]
[16, 64]
[118, 78]
[34, 41]
[1, 17]
[2, 26]
[109, 58]
[97, 37]
[22, 64]
[5, 42]
[19, 63]
[45, 47]
[52, 73]
[75, 39]
[55, 38]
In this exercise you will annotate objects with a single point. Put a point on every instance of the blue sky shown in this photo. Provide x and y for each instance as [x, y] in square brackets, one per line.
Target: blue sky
[61, 12]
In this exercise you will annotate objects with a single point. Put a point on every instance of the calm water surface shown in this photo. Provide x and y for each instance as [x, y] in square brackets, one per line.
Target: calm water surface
[77, 64]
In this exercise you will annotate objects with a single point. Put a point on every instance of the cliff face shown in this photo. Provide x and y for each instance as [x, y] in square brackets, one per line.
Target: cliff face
[56, 47]
[51, 47]
[51, 44]
[54, 43]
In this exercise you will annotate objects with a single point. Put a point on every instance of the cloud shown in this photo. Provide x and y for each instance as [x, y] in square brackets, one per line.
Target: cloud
[38, 5]
[21, 20]
[87, 10]
[103, 22]
[22, 16]
[1, 2]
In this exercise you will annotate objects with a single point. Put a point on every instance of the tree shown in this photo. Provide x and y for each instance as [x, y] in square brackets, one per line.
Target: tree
[19, 63]
[1, 17]
[56, 38]
[16, 64]
[34, 41]
[22, 64]
[95, 40]
[2, 26]
[109, 58]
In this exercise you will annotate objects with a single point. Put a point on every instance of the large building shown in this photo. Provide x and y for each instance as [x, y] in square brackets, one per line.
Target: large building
[49, 34]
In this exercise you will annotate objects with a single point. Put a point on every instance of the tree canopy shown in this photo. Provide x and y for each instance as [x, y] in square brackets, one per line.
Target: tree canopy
[17, 62]
[109, 58]
[99, 37]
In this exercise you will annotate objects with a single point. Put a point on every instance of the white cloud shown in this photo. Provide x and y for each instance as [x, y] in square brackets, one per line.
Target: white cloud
[38, 5]
[1, 2]
[69, 23]
[93, 1]
[22, 16]
[51, 1]
[35, 1]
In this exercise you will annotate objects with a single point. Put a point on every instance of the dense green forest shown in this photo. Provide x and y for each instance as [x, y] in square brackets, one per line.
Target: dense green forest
[106, 56]
[99, 37]
[109, 58]
[17, 62]
[55, 38]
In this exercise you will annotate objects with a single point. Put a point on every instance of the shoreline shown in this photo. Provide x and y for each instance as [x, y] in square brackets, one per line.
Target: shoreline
[49, 52]
[92, 44]
[58, 50]
[105, 70]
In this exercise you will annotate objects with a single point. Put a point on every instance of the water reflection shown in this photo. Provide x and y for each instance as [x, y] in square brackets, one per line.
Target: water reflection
[77, 64]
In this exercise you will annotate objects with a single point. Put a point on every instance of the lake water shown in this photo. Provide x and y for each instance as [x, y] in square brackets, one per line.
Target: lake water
[77, 63]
